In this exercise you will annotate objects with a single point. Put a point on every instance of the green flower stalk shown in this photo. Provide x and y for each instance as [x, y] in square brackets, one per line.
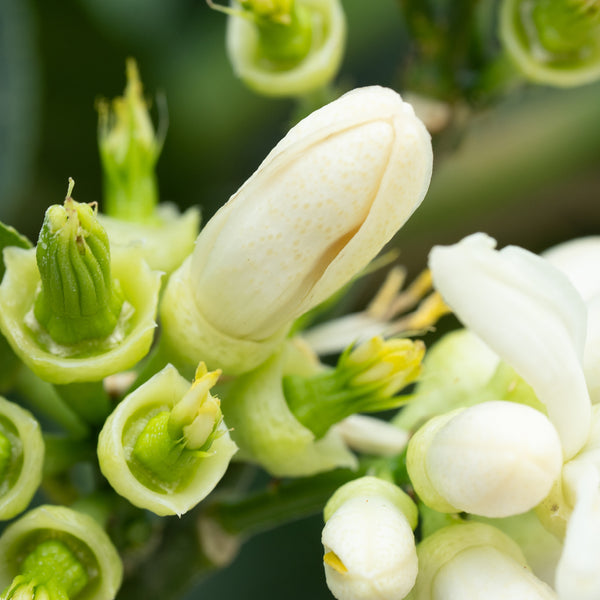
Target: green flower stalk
[365, 379]
[285, 47]
[165, 447]
[71, 309]
[56, 553]
[267, 431]
[555, 42]
[21, 458]
[129, 150]
[79, 300]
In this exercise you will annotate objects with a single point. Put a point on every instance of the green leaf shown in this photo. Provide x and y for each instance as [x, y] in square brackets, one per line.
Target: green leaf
[9, 236]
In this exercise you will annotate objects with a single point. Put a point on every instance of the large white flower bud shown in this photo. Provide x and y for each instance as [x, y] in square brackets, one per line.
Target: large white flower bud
[493, 459]
[322, 204]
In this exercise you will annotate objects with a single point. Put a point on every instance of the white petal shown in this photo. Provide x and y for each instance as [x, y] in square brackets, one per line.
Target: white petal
[578, 260]
[530, 315]
[578, 571]
[591, 356]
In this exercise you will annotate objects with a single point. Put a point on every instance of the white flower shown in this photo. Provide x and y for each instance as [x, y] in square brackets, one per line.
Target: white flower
[530, 315]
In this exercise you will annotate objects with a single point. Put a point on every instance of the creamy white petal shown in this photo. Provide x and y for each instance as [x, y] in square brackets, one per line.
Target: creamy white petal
[578, 571]
[530, 315]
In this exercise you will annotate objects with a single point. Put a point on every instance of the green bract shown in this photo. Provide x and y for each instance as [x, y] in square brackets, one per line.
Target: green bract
[132, 465]
[266, 430]
[164, 242]
[299, 68]
[21, 458]
[90, 360]
[79, 535]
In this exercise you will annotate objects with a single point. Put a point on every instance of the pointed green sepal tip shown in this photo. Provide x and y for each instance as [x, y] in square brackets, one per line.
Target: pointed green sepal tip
[129, 150]
[366, 379]
[78, 299]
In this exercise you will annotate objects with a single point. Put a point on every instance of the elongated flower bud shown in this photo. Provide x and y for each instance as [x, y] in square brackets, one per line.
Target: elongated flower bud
[319, 208]
[475, 561]
[554, 42]
[286, 47]
[56, 553]
[365, 379]
[368, 541]
[494, 459]
[21, 458]
[165, 446]
[79, 300]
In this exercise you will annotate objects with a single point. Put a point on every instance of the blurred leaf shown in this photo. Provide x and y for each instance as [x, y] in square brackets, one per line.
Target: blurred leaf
[18, 99]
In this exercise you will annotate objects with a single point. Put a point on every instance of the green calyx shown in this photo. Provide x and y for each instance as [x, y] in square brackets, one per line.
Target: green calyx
[49, 572]
[129, 150]
[566, 28]
[78, 299]
[365, 379]
[173, 440]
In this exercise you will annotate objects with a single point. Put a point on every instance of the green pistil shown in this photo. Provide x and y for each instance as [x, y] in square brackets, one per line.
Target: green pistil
[78, 300]
[54, 567]
[165, 457]
[5, 455]
[286, 43]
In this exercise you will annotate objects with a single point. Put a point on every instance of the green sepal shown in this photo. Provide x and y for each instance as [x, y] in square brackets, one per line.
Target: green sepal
[81, 535]
[90, 360]
[194, 478]
[267, 431]
[22, 466]
[9, 236]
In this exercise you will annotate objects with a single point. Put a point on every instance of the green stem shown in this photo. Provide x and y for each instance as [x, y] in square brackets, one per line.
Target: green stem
[43, 399]
[133, 199]
[88, 400]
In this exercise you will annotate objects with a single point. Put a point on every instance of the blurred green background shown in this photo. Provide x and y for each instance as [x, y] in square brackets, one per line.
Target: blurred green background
[523, 166]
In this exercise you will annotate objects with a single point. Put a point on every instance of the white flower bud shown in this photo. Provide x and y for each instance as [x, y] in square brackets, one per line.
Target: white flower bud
[484, 573]
[493, 459]
[317, 210]
[375, 546]
[322, 204]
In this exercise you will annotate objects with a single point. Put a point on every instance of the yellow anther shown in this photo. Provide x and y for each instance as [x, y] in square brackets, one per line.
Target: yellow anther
[333, 560]
[413, 294]
[379, 307]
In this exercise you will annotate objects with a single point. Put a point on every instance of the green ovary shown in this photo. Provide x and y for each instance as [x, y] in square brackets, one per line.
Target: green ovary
[167, 460]
[53, 564]
[5, 455]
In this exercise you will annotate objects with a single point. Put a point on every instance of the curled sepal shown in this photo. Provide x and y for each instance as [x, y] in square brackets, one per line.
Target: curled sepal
[494, 459]
[78, 299]
[164, 242]
[366, 379]
[475, 561]
[21, 458]
[555, 42]
[294, 50]
[129, 150]
[368, 541]
[265, 429]
[56, 553]
[90, 360]
[165, 447]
